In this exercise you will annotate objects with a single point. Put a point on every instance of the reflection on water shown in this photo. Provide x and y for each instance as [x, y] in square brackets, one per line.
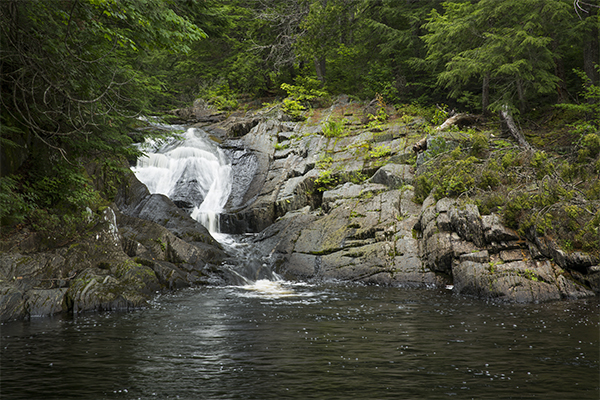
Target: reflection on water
[277, 289]
[296, 341]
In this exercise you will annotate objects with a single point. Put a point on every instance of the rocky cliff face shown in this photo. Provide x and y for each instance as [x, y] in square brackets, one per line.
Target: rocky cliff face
[367, 228]
[486, 259]
[327, 201]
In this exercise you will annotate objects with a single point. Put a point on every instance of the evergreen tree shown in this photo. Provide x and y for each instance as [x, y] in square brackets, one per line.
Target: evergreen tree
[507, 46]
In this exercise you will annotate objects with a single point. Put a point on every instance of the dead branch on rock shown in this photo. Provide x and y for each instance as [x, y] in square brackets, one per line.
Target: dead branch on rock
[514, 130]
[421, 145]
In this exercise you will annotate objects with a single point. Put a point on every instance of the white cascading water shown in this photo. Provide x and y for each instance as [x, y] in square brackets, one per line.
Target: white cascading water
[192, 157]
[193, 168]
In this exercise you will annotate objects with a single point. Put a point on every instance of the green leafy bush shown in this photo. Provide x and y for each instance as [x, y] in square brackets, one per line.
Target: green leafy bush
[293, 108]
[479, 144]
[14, 206]
[536, 193]
[325, 180]
[301, 95]
[332, 128]
[305, 89]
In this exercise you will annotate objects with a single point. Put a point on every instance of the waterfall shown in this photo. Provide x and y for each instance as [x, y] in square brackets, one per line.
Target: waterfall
[192, 170]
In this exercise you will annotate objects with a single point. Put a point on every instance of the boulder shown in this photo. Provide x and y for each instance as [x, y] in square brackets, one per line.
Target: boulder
[495, 232]
[466, 221]
[12, 304]
[44, 302]
[234, 126]
[199, 112]
[93, 291]
[519, 281]
[393, 175]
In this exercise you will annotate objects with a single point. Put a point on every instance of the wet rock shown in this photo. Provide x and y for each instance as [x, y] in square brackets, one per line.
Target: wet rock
[244, 165]
[111, 268]
[571, 261]
[44, 302]
[438, 252]
[169, 275]
[488, 260]
[12, 304]
[466, 221]
[299, 266]
[408, 271]
[257, 205]
[151, 241]
[571, 289]
[160, 209]
[518, 281]
[92, 291]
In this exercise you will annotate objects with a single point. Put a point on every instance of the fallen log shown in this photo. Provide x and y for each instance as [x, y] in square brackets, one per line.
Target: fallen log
[459, 120]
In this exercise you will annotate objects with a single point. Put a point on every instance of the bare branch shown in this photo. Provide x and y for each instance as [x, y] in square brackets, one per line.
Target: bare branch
[577, 5]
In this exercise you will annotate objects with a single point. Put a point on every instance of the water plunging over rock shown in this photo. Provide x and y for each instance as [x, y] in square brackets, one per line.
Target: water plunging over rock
[196, 174]
[192, 171]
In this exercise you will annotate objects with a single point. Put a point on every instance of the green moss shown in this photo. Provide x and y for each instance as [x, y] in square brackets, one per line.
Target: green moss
[380, 151]
[163, 245]
[279, 146]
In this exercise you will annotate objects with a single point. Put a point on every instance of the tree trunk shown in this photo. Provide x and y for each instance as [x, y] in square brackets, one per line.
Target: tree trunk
[512, 128]
[591, 52]
[559, 71]
[460, 120]
[320, 68]
[521, 92]
[485, 94]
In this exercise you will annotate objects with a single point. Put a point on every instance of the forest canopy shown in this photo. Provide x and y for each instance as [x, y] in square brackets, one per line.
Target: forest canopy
[78, 67]
[76, 74]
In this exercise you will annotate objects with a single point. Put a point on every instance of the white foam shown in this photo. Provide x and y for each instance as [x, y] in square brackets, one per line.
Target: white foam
[191, 155]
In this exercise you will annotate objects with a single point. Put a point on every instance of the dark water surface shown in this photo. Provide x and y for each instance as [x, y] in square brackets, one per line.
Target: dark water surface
[309, 342]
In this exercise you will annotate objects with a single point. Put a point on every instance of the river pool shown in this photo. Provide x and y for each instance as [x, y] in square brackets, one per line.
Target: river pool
[301, 341]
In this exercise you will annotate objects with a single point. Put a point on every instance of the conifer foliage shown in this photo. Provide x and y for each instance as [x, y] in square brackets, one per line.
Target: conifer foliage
[69, 69]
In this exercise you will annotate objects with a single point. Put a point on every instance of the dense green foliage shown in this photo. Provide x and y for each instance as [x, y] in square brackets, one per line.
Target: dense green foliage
[470, 54]
[540, 193]
[72, 87]
[75, 75]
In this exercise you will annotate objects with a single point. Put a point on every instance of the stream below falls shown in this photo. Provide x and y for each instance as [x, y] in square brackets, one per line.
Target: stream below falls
[298, 341]
[264, 338]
